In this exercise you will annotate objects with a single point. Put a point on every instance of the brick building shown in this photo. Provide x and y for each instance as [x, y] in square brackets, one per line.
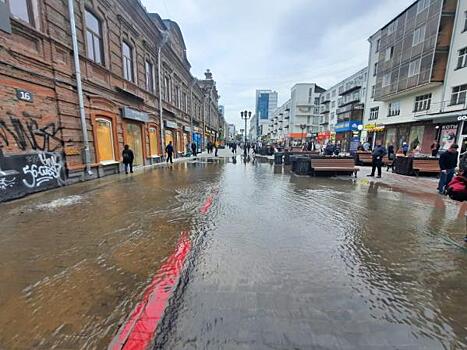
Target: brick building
[133, 69]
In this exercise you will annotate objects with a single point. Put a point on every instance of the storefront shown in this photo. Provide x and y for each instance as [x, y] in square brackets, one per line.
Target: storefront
[186, 137]
[346, 134]
[133, 132]
[450, 130]
[419, 136]
[197, 137]
[170, 128]
[374, 134]
[154, 142]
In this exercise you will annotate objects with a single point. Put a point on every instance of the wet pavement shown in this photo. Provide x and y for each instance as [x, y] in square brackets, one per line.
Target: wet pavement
[278, 261]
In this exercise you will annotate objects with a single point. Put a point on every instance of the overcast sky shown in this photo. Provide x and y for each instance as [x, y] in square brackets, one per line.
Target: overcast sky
[264, 44]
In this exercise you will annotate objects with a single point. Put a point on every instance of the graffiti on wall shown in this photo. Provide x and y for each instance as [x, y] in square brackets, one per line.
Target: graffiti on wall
[29, 135]
[28, 173]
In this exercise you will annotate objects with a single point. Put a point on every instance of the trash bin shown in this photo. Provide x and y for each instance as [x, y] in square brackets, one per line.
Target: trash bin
[278, 158]
[286, 158]
[302, 166]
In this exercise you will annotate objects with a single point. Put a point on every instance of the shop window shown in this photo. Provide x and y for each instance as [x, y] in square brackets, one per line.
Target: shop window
[94, 38]
[149, 76]
[127, 55]
[394, 109]
[153, 142]
[22, 10]
[458, 95]
[374, 112]
[422, 103]
[105, 144]
[462, 60]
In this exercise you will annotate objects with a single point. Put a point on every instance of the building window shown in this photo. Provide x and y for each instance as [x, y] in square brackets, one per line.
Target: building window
[334, 93]
[462, 62]
[392, 27]
[378, 45]
[105, 144]
[177, 96]
[375, 69]
[386, 79]
[373, 90]
[418, 35]
[127, 52]
[374, 113]
[394, 109]
[333, 104]
[458, 94]
[422, 103]
[167, 88]
[388, 54]
[422, 5]
[94, 38]
[414, 68]
[153, 142]
[149, 76]
[22, 10]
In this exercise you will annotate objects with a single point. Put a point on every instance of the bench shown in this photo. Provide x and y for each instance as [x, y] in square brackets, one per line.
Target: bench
[364, 158]
[333, 165]
[430, 166]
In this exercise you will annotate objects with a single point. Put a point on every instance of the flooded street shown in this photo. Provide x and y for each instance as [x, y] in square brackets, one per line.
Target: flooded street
[276, 262]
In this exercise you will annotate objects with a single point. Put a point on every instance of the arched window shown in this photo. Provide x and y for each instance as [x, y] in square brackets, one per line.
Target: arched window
[94, 38]
[153, 142]
[105, 144]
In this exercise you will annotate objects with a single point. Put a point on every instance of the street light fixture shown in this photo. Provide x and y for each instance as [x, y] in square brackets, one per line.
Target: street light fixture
[245, 116]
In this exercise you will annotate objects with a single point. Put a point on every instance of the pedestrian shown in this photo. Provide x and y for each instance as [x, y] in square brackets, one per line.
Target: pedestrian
[209, 147]
[234, 148]
[447, 164]
[366, 146]
[434, 149]
[329, 150]
[170, 151]
[309, 147]
[194, 149]
[405, 148]
[377, 160]
[128, 158]
[391, 157]
[248, 147]
[216, 146]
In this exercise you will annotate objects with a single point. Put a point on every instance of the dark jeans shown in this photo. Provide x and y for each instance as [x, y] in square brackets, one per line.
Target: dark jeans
[193, 150]
[128, 165]
[376, 163]
[170, 158]
[217, 149]
[444, 179]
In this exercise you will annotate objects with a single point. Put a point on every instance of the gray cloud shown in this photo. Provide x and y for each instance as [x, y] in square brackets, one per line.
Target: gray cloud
[263, 44]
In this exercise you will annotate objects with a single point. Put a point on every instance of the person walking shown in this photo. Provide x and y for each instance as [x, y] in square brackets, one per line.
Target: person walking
[434, 149]
[194, 149]
[128, 158]
[391, 157]
[377, 160]
[447, 164]
[216, 148]
[405, 148]
[234, 148]
[248, 147]
[170, 151]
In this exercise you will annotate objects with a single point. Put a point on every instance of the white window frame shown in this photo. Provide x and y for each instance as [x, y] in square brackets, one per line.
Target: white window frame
[460, 95]
[414, 67]
[392, 26]
[462, 59]
[419, 35]
[378, 45]
[386, 80]
[394, 109]
[374, 113]
[422, 103]
[128, 63]
[31, 8]
[422, 5]
[388, 54]
[375, 71]
[149, 76]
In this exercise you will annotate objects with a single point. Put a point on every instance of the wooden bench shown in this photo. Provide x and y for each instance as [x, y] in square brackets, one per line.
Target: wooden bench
[430, 166]
[333, 165]
[364, 158]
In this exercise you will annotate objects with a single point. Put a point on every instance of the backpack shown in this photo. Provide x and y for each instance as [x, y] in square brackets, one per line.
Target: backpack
[457, 189]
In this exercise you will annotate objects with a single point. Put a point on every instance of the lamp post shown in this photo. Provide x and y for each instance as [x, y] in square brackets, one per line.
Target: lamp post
[245, 116]
[303, 127]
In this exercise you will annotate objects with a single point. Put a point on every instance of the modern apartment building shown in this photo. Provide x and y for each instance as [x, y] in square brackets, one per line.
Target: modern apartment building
[418, 76]
[342, 110]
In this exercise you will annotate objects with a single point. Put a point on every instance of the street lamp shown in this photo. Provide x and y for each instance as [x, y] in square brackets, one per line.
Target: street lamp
[303, 127]
[245, 116]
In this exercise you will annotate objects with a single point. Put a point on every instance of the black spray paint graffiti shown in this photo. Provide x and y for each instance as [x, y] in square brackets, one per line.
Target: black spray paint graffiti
[30, 135]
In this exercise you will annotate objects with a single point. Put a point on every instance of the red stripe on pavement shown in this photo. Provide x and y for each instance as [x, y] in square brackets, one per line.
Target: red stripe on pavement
[139, 330]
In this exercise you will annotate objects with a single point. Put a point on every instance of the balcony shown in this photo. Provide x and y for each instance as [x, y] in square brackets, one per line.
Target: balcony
[326, 99]
[349, 88]
[325, 109]
[324, 121]
[346, 101]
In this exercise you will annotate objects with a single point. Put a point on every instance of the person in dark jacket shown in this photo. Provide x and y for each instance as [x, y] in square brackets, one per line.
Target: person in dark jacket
[463, 163]
[128, 158]
[170, 152]
[194, 149]
[391, 157]
[447, 164]
[377, 159]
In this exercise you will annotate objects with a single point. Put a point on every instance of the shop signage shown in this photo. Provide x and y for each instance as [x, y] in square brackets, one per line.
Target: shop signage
[187, 129]
[373, 128]
[347, 126]
[24, 95]
[462, 118]
[133, 114]
[170, 125]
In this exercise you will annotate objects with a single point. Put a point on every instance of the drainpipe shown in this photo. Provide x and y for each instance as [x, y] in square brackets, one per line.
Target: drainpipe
[82, 115]
[165, 38]
[191, 108]
[203, 142]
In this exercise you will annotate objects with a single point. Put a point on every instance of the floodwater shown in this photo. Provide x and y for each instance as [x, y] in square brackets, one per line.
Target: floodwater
[278, 262]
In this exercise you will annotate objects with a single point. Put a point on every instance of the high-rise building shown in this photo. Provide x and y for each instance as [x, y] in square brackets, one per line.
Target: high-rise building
[266, 104]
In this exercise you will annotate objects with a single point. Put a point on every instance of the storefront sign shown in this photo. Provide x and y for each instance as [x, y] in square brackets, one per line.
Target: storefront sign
[347, 126]
[170, 125]
[373, 128]
[448, 136]
[462, 118]
[133, 114]
[24, 95]
[187, 129]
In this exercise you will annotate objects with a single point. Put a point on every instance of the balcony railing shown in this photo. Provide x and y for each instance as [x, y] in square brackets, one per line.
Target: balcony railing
[441, 107]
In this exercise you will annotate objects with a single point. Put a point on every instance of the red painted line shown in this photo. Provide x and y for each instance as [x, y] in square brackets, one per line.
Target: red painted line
[138, 331]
